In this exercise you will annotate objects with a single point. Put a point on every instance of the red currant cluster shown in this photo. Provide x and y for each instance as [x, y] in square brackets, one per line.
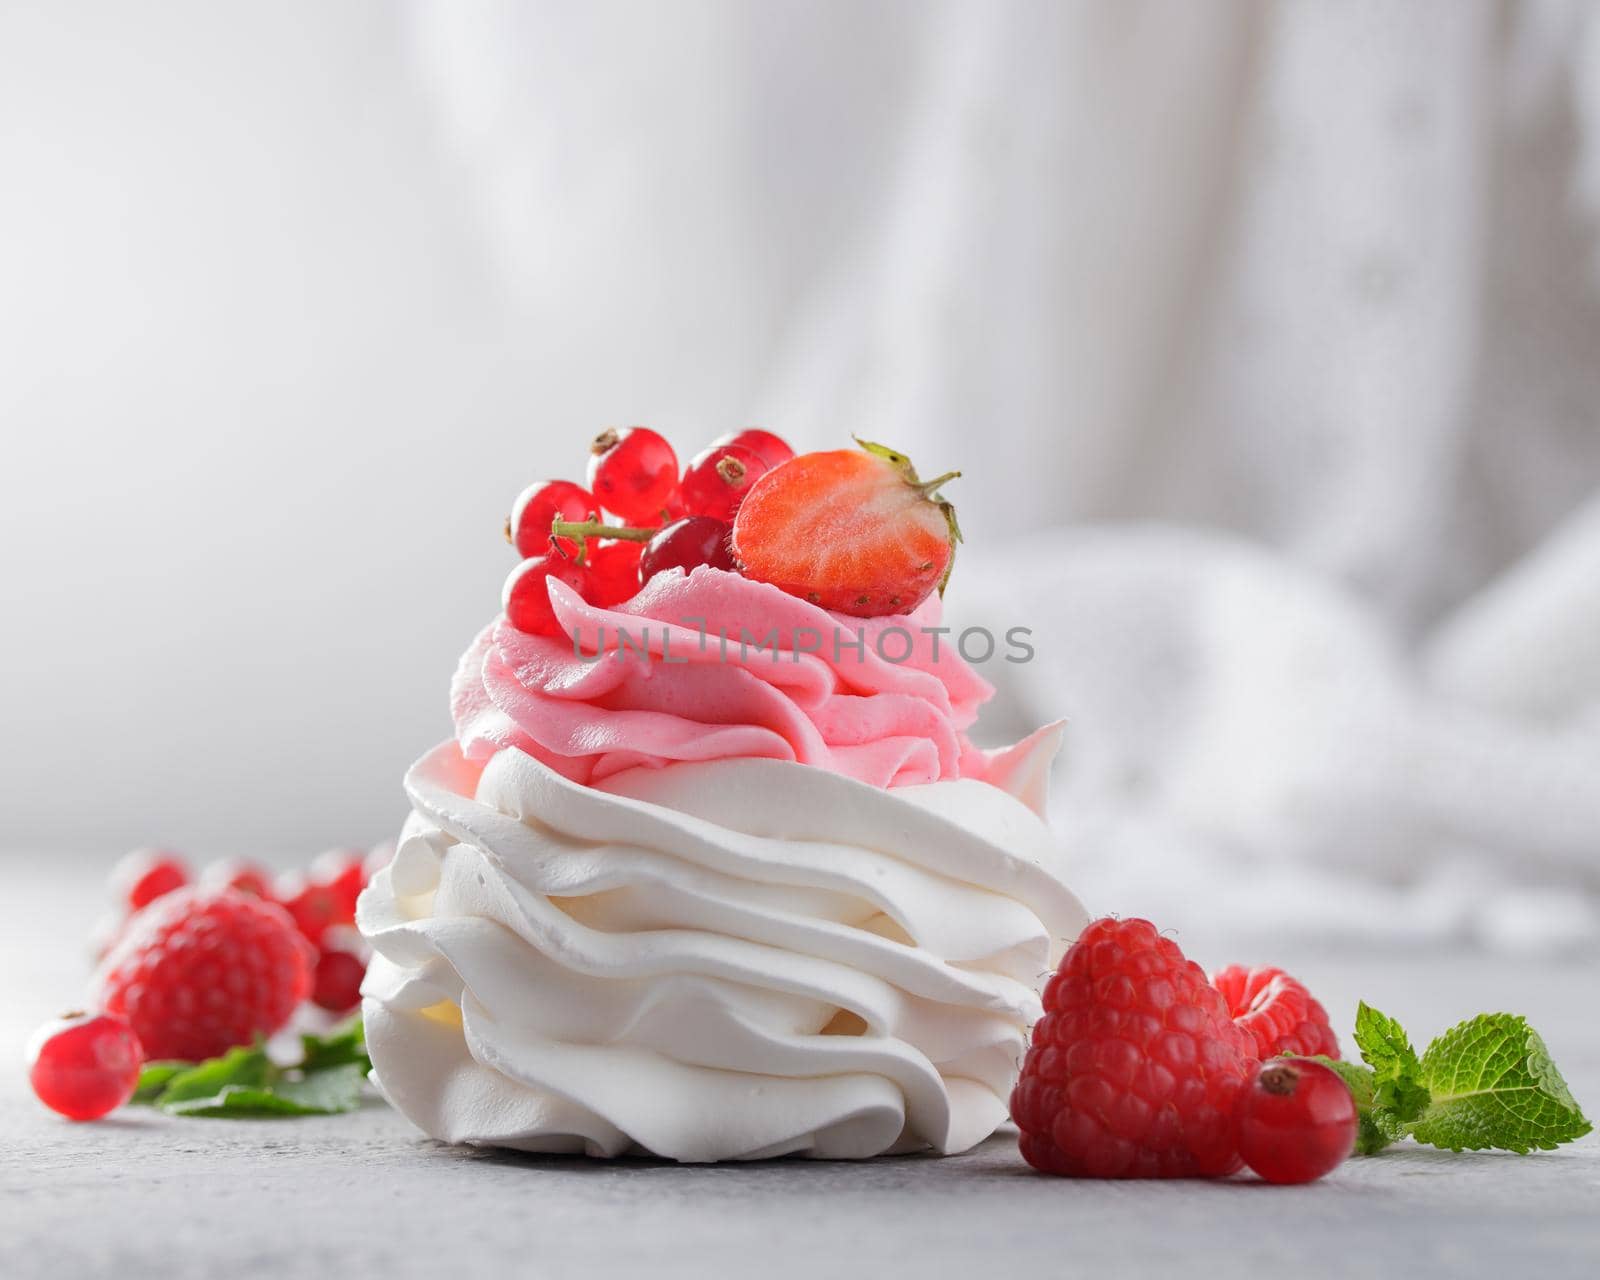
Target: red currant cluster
[670, 520]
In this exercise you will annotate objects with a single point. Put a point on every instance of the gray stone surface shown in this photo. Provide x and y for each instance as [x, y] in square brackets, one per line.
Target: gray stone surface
[145, 1195]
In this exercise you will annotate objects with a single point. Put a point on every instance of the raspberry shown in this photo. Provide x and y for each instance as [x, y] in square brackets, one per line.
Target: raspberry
[1278, 1012]
[201, 970]
[1134, 1068]
[1296, 1121]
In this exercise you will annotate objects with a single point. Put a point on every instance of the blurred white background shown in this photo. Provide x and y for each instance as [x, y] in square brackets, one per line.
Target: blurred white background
[1267, 335]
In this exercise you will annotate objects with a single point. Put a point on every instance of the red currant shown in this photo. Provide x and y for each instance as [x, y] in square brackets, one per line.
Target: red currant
[613, 572]
[1295, 1120]
[314, 907]
[337, 983]
[715, 482]
[634, 473]
[343, 873]
[772, 450]
[237, 873]
[541, 503]
[85, 1064]
[145, 874]
[526, 598]
[684, 544]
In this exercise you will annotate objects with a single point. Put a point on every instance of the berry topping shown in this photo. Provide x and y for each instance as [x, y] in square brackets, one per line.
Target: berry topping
[84, 1065]
[1135, 1066]
[1295, 1121]
[145, 875]
[237, 873]
[613, 572]
[717, 480]
[203, 970]
[1278, 1012]
[526, 597]
[634, 473]
[772, 450]
[685, 544]
[850, 530]
[528, 529]
[336, 985]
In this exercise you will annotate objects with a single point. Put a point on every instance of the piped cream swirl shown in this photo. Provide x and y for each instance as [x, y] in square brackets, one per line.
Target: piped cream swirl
[728, 959]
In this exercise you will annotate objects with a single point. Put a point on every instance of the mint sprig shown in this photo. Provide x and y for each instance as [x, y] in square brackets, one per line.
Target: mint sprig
[1492, 1084]
[1486, 1083]
[245, 1083]
[1397, 1074]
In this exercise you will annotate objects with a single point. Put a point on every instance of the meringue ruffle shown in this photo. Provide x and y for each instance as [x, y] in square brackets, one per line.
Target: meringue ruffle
[728, 959]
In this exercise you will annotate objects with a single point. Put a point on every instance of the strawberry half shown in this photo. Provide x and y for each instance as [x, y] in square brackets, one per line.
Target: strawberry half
[852, 531]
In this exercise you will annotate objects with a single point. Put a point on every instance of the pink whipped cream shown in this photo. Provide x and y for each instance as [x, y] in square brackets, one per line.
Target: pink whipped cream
[676, 691]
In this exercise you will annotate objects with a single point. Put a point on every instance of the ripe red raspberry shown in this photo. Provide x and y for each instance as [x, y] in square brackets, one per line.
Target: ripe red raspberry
[1278, 1012]
[1134, 1067]
[201, 970]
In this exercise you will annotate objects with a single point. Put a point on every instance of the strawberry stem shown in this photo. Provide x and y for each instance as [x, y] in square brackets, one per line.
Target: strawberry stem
[926, 487]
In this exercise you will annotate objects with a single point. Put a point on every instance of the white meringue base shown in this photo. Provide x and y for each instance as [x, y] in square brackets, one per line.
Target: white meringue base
[730, 960]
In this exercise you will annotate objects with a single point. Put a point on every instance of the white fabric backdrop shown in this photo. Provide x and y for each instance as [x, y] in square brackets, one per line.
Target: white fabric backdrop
[1284, 318]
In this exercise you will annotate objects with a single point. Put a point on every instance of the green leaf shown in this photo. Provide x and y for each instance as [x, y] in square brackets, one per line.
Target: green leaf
[1493, 1085]
[326, 1092]
[329, 1092]
[244, 1082]
[1398, 1088]
[1377, 1129]
[153, 1079]
[343, 1045]
[244, 1067]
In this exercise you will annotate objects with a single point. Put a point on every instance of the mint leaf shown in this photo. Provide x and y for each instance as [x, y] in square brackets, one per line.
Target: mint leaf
[326, 1092]
[1398, 1088]
[320, 1093]
[244, 1082]
[153, 1079]
[1377, 1127]
[1384, 1044]
[244, 1067]
[1493, 1085]
[344, 1044]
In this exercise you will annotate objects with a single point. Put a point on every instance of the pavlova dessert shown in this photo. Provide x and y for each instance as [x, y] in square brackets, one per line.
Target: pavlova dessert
[709, 869]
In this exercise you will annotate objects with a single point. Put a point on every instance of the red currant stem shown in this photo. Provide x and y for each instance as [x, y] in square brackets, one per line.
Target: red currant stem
[581, 530]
